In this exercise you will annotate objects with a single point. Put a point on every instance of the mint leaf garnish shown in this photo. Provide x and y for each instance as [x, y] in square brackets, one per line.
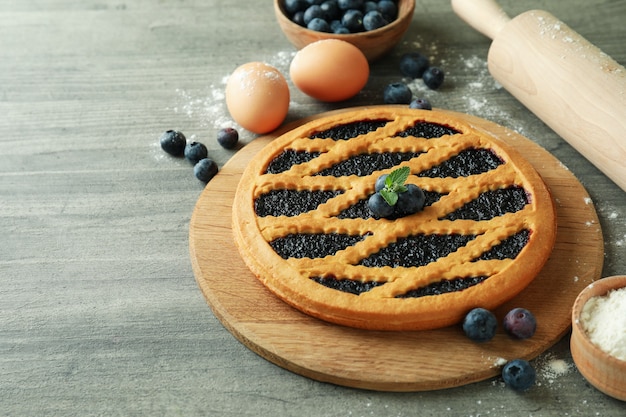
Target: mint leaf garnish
[390, 197]
[394, 185]
[398, 176]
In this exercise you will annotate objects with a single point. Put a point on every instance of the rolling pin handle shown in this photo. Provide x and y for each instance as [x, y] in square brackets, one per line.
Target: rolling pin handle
[486, 16]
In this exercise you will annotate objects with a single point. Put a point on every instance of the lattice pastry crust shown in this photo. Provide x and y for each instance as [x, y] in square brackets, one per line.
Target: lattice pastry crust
[321, 254]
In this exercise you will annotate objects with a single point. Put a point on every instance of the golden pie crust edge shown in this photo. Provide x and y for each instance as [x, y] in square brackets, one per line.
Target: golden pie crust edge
[423, 313]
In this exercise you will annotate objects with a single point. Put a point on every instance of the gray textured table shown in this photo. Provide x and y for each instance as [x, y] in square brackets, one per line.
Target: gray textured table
[99, 310]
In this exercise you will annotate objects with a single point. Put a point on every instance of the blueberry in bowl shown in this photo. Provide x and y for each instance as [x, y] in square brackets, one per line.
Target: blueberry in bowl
[375, 31]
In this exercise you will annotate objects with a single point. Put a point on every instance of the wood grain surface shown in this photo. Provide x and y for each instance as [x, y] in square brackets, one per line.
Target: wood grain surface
[392, 361]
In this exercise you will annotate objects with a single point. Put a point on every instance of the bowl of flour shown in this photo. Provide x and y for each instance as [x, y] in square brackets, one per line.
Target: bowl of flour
[598, 340]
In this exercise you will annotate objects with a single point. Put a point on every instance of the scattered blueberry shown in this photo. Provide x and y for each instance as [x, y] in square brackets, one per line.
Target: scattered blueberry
[228, 137]
[205, 169]
[379, 207]
[433, 77]
[520, 323]
[373, 20]
[173, 142]
[413, 64]
[195, 151]
[480, 325]
[420, 103]
[411, 201]
[519, 374]
[397, 93]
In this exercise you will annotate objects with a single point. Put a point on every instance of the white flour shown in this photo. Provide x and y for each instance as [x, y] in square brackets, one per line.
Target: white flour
[555, 368]
[604, 320]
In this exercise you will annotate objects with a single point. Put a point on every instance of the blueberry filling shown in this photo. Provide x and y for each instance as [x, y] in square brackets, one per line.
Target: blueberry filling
[444, 286]
[349, 130]
[417, 250]
[491, 204]
[289, 158]
[315, 245]
[436, 288]
[367, 163]
[466, 163]
[290, 202]
[347, 285]
[428, 131]
[509, 248]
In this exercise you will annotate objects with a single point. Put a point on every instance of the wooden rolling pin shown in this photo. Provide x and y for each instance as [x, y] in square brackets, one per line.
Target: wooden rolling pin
[575, 88]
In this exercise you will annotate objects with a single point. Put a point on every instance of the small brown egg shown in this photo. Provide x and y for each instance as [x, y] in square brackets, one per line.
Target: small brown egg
[257, 97]
[330, 70]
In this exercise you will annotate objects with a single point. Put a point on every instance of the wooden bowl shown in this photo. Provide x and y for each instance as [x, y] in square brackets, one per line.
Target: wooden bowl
[605, 372]
[374, 44]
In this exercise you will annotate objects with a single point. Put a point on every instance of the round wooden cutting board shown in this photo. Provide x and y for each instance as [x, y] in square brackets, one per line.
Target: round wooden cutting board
[392, 361]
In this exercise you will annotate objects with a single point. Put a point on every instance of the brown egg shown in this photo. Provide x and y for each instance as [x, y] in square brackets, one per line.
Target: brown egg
[257, 97]
[330, 70]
